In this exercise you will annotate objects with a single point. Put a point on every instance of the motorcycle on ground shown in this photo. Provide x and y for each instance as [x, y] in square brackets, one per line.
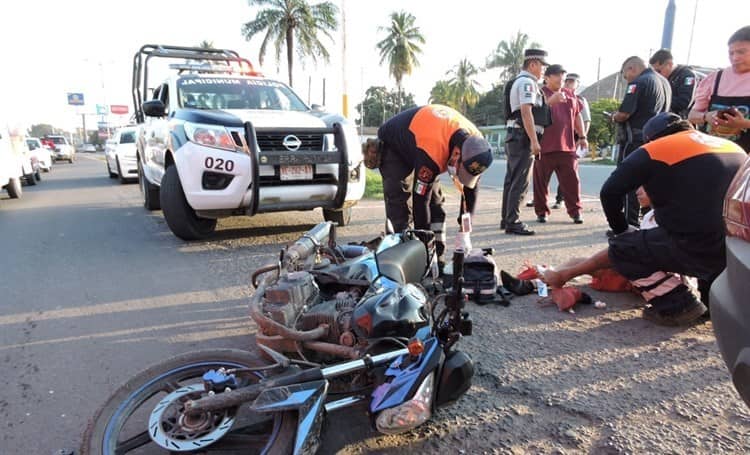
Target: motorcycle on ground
[338, 326]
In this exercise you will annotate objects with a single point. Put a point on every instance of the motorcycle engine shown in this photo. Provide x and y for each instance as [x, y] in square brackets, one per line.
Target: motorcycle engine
[288, 296]
[296, 301]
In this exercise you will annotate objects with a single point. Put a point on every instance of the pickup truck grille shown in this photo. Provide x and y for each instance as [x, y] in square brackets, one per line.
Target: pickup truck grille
[273, 142]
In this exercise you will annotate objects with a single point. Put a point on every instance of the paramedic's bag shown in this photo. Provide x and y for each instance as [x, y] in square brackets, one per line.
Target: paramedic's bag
[481, 276]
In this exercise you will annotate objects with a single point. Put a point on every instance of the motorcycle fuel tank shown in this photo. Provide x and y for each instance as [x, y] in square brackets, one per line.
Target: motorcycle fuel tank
[395, 312]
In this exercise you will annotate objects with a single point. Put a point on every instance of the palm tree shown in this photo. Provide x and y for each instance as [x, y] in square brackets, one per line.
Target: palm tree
[205, 44]
[441, 93]
[401, 46]
[285, 21]
[462, 86]
[509, 55]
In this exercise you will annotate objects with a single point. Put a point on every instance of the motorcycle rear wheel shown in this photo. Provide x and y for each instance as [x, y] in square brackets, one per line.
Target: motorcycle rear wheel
[121, 425]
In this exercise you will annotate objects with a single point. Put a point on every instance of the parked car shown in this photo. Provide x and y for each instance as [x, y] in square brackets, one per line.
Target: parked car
[88, 148]
[64, 150]
[120, 152]
[730, 306]
[42, 153]
[11, 171]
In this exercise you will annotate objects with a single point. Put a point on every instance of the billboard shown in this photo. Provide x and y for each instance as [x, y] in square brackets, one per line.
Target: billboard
[75, 99]
[119, 109]
[101, 109]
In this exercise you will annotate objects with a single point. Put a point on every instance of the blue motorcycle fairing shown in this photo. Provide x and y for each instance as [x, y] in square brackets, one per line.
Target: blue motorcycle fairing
[368, 261]
[307, 399]
[405, 381]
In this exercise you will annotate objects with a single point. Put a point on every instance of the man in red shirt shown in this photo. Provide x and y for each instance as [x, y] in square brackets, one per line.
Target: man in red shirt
[558, 153]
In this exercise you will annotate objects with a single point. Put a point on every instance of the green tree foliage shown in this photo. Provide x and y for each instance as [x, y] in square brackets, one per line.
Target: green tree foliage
[462, 85]
[489, 108]
[380, 104]
[205, 44]
[442, 93]
[602, 131]
[401, 46]
[294, 23]
[94, 138]
[508, 55]
[41, 130]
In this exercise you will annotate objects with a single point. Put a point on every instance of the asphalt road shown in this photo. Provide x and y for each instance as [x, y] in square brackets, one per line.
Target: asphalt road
[94, 288]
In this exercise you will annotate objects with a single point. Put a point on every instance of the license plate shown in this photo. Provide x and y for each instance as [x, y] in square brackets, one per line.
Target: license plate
[301, 172]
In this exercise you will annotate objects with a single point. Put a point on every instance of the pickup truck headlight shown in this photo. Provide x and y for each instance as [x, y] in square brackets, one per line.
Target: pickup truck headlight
[210, 135]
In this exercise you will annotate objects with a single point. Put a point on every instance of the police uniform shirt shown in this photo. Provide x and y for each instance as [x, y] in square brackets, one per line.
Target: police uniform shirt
[645, 97]
[682, 80]
[525, 90]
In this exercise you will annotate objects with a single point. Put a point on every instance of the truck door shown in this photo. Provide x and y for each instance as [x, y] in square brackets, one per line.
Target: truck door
[156, 136]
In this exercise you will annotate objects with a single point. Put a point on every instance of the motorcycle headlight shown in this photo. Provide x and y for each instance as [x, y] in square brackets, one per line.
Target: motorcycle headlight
[210, 135]
[410, 414]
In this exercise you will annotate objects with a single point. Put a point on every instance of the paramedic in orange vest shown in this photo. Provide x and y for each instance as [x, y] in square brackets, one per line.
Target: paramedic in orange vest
[686, 174]
[416, 146]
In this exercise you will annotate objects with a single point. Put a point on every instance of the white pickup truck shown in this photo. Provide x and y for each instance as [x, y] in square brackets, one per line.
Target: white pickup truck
[217, 139]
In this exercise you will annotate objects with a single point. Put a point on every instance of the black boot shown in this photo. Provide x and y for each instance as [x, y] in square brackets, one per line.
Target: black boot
[514, 285]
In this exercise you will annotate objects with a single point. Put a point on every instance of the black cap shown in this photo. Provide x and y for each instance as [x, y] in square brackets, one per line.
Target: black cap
[554, 69]
[536, 54]
[658, 123]
[573, 76]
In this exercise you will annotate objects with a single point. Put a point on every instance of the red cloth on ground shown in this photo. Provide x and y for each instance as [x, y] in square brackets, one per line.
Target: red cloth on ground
[610, 281]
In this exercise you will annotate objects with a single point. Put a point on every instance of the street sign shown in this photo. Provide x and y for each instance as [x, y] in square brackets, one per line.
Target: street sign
[101, 109]
[119, 109]
[75, 99]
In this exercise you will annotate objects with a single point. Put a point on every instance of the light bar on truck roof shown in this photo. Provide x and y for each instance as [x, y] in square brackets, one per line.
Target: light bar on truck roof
[209, 68]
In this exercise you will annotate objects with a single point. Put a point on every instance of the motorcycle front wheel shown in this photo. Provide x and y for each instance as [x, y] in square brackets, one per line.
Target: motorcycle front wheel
[149, 407]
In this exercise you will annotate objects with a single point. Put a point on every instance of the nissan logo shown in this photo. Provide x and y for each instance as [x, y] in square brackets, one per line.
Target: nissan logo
[292, 143]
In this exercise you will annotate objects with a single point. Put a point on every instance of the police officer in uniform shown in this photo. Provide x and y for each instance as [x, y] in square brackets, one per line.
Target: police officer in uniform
[526, 113]
[682, 80]
[647, 94]
[415, 147]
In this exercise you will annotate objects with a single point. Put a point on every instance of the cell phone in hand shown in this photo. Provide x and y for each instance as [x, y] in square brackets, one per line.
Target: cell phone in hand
[607, 114]
[730, 111]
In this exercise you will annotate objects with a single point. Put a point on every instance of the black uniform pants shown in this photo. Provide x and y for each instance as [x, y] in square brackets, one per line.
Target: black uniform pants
[632, 208]
[519, 161]
[398, 184]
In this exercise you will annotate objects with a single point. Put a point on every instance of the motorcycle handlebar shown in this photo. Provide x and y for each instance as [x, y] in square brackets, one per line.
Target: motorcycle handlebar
[458, 271]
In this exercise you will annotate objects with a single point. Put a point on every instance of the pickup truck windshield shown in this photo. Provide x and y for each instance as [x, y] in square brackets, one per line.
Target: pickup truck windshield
[58, 140]
[127, 138]
[237, 93]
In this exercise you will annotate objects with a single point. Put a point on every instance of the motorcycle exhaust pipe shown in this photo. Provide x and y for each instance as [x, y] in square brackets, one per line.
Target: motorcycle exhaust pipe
[307, 244]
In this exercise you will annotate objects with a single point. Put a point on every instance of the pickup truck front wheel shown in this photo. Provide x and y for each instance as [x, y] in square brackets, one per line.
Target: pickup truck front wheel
[149, 191]
[14, 188]
[181, 218]
[342, 217]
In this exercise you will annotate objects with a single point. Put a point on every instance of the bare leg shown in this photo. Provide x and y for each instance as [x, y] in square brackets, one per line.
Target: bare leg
[568, 271]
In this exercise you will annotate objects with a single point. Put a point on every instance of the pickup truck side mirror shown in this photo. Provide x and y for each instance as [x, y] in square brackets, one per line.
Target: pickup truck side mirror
[154, 108]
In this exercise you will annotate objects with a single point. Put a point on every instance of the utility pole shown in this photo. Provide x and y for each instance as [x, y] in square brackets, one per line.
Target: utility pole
[598, 76]
[692, 31]
[666, 37]
[83, 132]
[344, 96]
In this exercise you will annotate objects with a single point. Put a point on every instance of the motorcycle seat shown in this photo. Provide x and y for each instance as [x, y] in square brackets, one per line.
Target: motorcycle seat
[404, 263]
